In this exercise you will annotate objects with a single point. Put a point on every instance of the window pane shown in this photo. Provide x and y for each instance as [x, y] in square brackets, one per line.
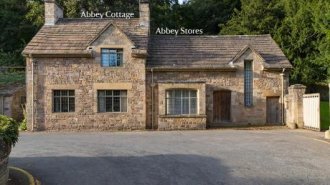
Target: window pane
[123, 104]
[248, 83]
[185, 93]
[177, 106]
[64, 104]
[101, 93]
[57, 93]
[105, 58]
[64, 93]
[193, 106]
[57, 104]
[102, 105]
[108, 104]
[185, 106]
[193, 94]
[113, 59]
[177, 93]
[108, 93]
[116, 104]
[123, 93]
[71, 105]
[71, 93]
[116, 93]
[119, 59]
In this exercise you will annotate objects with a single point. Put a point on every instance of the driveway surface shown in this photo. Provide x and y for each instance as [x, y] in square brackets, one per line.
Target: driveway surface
[178, 157]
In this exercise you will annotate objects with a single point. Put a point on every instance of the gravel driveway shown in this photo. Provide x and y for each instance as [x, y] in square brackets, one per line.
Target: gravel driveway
[178, 157]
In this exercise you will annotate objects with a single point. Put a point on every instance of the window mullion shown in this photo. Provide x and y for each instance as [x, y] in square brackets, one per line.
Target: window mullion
[112, 104]
[189, 102]
[181, 101]
[60, 102]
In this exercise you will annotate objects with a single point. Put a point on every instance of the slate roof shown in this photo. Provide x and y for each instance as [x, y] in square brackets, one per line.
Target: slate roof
[73, 36]
[167, 51]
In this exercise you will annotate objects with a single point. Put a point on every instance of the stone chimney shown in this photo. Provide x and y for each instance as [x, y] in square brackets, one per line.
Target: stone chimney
[144, 14]
[53, 12]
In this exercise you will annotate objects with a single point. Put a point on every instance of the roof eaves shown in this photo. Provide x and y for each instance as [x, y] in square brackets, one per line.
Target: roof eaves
[201, 68]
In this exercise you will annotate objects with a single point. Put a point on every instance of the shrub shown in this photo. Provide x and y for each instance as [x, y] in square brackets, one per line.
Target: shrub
[8, 130]
[22, 126]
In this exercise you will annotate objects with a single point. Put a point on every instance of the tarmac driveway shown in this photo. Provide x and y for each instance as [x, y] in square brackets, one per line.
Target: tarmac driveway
[178, 157]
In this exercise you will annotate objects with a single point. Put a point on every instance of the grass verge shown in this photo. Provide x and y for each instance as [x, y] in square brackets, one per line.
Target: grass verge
[325, 115]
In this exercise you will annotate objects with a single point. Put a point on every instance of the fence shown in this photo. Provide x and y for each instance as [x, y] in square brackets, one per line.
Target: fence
[311, 111]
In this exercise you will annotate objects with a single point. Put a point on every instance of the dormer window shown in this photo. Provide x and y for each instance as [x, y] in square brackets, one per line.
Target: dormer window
[111, 57]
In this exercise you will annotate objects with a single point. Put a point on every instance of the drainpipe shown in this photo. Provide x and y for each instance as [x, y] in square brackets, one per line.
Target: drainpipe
[152, 98]
[32, 97]
[282, 96]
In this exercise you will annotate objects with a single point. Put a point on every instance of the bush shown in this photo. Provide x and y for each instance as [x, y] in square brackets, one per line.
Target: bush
[22, 126]
[8, 130]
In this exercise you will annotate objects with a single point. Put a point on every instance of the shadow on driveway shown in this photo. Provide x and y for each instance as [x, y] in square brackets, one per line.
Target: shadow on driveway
[151, 169]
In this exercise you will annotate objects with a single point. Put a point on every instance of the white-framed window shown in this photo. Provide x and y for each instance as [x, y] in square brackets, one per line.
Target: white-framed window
[63, 101]
[248, 83]
[112, 100]
[181, 102]
[111, 57]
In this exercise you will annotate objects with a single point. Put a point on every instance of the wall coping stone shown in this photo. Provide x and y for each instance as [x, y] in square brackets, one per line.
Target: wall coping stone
[297, 86]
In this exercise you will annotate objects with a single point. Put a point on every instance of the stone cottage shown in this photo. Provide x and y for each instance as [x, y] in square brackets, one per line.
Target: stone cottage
[113, 74]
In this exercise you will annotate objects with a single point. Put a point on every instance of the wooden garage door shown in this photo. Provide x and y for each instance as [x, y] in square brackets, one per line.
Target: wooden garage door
[273, 110]
[221, 106]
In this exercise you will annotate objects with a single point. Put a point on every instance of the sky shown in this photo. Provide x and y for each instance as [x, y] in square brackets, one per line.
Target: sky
[181, 1]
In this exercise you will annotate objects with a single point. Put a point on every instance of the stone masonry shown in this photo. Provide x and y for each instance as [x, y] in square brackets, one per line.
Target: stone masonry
[86, 76]
[266, 84]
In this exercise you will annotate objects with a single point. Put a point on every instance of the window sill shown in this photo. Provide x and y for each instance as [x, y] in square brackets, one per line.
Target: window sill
[64, 113]
[183, 116]
[111, 112]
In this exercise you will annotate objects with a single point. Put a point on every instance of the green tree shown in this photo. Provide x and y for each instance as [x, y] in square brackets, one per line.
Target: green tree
[15, 30]
[254, 17]
[301, 28]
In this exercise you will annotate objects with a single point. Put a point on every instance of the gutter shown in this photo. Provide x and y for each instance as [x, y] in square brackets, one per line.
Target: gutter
[282, 96]
[32, 97]
[191, 69]
[152, 98]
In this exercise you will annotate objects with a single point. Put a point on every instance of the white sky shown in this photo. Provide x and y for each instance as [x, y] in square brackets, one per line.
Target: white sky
[181, 1]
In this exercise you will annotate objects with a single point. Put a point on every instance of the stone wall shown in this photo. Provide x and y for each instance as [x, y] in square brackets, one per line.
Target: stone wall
[86, 76]
[266, 84]
[294, 106]
[166, 122]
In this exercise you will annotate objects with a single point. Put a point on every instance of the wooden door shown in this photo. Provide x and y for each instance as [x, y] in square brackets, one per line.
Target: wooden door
[221, 106]
[273, 110]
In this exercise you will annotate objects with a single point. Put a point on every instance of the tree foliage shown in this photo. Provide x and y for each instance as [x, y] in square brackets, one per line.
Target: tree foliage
[300, 27]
